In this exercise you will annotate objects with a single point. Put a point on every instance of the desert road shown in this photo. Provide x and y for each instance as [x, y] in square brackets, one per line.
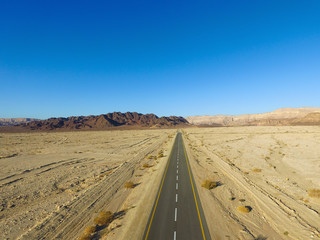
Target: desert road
[177, 212]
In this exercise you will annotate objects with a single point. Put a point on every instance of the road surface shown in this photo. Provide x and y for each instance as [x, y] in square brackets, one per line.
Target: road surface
[177, 213]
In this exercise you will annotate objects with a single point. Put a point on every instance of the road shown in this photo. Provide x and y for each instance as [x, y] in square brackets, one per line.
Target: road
[177, 213]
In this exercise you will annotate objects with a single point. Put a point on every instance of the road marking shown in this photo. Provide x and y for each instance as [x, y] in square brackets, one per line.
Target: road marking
[176, 186]
[154, 210]
[174, 235]
[176, 197]
[177, 178]
[194, 195]
[175, 214]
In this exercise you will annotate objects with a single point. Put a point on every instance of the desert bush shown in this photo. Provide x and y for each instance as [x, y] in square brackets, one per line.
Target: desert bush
[104, 218]
[85, 237]
[256, 170]
[146, 165]
[208, 184]
[315, 193]
[244, 209]
[150, 157]
[129, 185]
[90, 230]
[160, 154]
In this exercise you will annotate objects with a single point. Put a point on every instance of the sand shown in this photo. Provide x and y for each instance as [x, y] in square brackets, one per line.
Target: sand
[269, 169]
[52, 185]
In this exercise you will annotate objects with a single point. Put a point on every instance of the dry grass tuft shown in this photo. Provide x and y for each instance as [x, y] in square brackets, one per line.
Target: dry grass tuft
[160, 154]
[315, 193]
[146, 165]
[244, 209]
[104, 218]
[90, 229]
[85, 237]
[256, 170]
[208, 184]
[129, 185]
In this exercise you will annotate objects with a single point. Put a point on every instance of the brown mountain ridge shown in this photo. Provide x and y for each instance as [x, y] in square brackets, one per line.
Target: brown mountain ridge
[100, 122]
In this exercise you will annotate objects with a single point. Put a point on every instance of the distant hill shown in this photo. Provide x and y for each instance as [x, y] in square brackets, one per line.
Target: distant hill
[100, 122]
[283, 116]
[14, 121]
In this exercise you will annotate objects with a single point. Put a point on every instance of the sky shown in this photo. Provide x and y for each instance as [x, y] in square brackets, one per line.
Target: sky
[183, 58]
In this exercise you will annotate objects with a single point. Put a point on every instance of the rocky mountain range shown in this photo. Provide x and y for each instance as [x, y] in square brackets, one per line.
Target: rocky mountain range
[133, 120]
[104, 121]
[279, 117]
[14, 121]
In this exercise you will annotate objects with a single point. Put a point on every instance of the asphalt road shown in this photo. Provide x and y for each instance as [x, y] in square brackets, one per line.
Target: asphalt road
[177, 213]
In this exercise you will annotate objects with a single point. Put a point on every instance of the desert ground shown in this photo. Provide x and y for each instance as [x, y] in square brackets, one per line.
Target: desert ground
[59, 185]
[55, 185]
[267, 180]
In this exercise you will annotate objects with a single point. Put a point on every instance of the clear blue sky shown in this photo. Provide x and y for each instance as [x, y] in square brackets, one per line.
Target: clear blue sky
[64, 58]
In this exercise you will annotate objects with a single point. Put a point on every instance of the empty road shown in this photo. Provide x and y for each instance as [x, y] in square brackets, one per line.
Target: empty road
[177, 213]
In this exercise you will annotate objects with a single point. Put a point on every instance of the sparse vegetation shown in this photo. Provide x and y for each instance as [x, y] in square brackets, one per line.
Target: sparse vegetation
[314, 193]
[85, 237]
[129, 185]
[209, 184]
[244, 209]
[90, 229]
[104, 218]
[146, 165]
[256, 170]
[160, 154]
[286, 233]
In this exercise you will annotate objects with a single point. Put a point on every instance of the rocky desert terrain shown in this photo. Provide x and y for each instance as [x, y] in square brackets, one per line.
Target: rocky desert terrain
[266, 180]
[54, 185]
[279, 117]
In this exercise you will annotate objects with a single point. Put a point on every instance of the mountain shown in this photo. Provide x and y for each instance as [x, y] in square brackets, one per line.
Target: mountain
[104, 121]
[283, 116]
[14, 121]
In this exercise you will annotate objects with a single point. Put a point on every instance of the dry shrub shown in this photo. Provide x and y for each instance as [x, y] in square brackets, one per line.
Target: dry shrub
[129, 185]
[256, 170]
[104, 218]
[160, 154]
[90, 229]
[315, 193]
[146, 165]
[150, 157]
[208, 184]
[244, 209]
[85, 237]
